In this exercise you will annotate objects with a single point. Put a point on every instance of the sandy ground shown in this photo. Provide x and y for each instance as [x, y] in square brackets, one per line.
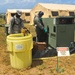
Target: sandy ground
[66, 65]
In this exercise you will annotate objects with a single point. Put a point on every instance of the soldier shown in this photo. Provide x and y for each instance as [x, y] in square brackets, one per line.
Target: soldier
[40, 30]
[16, 23]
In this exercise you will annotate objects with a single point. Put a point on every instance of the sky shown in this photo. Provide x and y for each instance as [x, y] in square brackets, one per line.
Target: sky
[28, 4]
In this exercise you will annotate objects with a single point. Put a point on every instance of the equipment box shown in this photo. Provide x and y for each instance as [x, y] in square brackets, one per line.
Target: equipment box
[39, 46]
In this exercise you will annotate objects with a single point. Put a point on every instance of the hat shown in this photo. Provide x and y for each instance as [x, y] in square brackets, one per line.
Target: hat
[41, 13]
[19, 13]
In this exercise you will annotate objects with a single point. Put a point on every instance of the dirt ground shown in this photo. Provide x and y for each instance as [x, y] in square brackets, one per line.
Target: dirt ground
[49, 66]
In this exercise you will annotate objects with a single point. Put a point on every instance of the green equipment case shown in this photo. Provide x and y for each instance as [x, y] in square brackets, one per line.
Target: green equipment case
[60, 31]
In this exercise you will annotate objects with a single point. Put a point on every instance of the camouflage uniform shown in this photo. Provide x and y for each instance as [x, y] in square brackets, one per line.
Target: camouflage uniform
[39, 29]
[15, 25]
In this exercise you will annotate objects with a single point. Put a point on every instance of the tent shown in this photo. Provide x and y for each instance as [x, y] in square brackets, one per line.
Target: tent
[25, 14]
[53, 10]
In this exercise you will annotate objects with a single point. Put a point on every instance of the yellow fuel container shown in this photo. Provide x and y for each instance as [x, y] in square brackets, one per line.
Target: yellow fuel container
[20, 49]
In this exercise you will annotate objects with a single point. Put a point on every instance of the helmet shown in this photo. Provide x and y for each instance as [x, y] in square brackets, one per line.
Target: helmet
[19, 13]
[41, 13]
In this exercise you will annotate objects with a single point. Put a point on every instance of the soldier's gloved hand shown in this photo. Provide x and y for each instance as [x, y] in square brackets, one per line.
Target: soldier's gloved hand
[45, 30]
[24, 27]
